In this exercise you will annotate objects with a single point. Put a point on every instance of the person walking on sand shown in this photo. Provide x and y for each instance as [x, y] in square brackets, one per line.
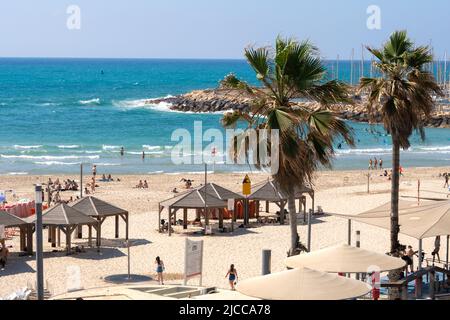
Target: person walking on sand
[446, 176]
[94, 170]
[380, 164]
[370, 164]
[232, 276]
[375, 163]
[159, 270]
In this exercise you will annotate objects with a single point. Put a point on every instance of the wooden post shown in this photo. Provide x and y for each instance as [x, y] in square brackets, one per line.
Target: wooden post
[30, 240]
[185, 216]
[68, 239]
[59, 237]
[169, 222]
[267, 206]
[220, 218]
[349, 234]
[53, 230]
[127, 227]
[282, 212]
[80, 232]
[117, 227]
[90, 235]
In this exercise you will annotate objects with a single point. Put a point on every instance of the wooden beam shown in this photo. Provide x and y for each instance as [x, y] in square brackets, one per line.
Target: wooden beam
[185, 217]
[117, 227]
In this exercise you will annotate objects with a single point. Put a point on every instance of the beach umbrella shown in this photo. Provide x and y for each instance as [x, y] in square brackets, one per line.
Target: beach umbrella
[303, 284]
[345, 259]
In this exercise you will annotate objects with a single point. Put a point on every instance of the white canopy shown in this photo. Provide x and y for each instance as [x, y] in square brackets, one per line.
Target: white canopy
[420, 221]
[345, 259]
[303, 284]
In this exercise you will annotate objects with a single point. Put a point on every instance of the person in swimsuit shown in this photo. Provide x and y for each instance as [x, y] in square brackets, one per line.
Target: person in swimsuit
[159, 270]
[232, 276]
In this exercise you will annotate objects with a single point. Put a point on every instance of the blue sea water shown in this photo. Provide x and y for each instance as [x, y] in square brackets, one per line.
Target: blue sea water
[58, 113]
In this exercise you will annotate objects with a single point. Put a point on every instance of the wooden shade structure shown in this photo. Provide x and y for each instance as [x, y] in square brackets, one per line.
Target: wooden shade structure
[192, 199]
[66, 219]
[26, 230]
[270, 191]
[100, 210]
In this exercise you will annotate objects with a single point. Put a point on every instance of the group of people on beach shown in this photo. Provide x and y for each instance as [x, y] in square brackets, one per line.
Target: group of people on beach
[375, 164]
[160, 268]
[54, 189]
[142, 185]
[407, 254]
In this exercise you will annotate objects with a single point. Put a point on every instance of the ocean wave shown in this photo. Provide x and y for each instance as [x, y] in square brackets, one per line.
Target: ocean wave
[17, 173]
[22, 156]
[93, 151]
[95, 101]
[156, 172]
[106, 164]
[16, 146]
[149, 147]
[437, 148]
[108, 147]
[56, 163]
[363, 151]
[72, 146]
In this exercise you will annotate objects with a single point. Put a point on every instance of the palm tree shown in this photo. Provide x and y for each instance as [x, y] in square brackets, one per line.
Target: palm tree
[403, 96]
[290, 71]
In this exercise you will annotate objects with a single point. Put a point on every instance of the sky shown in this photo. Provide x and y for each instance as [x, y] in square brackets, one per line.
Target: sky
[210, 28]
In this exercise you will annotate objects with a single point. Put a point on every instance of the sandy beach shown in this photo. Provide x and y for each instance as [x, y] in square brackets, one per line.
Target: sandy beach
[336, 191]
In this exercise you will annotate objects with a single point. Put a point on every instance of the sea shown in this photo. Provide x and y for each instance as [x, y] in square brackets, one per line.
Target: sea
[58, 114]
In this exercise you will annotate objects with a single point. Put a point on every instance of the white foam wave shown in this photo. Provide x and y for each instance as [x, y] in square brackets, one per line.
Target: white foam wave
[107, 164]
[17, 173]
[156, 172]
[56, 163]
[72, 146]
[90, 101]
[107, 147]
[16, 146]
[22, 156]
[149, 147]
[437, 148]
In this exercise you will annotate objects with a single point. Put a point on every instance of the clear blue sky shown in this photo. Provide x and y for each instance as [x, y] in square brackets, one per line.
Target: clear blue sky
[209, 28]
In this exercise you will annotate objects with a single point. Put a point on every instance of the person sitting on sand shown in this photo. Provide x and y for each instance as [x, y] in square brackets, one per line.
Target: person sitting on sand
[104, 178]
[140, 185]
[232, 276]
[174, 190]
[86, 191]
[145, 186]
[110, 178]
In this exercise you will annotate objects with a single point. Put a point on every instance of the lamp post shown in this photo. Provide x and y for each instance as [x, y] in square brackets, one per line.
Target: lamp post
[39, 250]
[358, 245]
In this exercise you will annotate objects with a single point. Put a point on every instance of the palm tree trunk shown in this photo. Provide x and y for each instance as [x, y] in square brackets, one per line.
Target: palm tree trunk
[394, 197]
[293, 223]
[395, 228]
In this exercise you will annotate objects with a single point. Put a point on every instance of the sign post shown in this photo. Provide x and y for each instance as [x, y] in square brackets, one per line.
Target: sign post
[246, 191]
[2, 232]
[193, 260]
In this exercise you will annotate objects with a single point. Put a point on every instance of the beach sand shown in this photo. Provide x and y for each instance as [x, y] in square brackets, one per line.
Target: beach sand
[336, 191]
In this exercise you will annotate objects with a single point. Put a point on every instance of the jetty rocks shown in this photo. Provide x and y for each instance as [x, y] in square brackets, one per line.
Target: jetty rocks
[214, 100]
[222, 100]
